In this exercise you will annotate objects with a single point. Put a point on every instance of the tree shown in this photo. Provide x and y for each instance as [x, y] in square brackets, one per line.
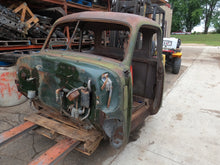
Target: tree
[209, 13]
[177, 23]
[186, 14]
[216, 21]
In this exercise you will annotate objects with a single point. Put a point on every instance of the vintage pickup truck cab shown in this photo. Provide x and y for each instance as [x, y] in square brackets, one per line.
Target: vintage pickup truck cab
[108, 75]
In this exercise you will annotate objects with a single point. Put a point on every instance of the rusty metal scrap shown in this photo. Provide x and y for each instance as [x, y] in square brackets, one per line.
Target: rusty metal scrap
[10, 25]
[15, 27]
[72, 95]
[93, 87]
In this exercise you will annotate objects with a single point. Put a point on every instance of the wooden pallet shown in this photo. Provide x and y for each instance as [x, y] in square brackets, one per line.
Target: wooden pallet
[37, 41]
[26, 15]
[13, 43]
[56, 127]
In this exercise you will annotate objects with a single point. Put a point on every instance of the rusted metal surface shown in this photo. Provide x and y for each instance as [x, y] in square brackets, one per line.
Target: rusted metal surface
[94, 86]
[13, 133]
[121, 18]
[10, 25]
[73, 95]
[138, 117]
[56, 153]
[13, 27]
[131, 20]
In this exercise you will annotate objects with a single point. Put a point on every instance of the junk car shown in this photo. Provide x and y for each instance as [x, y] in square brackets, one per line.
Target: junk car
[104, 76]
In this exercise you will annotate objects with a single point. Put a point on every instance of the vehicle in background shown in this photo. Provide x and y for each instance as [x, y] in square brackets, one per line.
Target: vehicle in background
[171, 48]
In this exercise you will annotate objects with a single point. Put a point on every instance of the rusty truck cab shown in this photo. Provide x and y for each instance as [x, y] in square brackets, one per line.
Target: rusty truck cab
[112, 85]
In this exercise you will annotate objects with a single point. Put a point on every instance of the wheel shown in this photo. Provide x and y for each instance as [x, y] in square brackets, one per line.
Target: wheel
[176, 65]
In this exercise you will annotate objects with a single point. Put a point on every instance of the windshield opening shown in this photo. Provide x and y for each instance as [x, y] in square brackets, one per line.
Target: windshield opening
[96, 38]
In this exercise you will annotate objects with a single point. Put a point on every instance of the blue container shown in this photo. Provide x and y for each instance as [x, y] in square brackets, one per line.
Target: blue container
[81, 2]
[2, 63]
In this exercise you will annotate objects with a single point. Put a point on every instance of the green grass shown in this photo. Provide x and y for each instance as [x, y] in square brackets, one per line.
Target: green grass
[208, 39]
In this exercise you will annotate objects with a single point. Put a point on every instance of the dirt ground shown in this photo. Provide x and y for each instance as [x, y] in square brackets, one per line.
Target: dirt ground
[186, 131]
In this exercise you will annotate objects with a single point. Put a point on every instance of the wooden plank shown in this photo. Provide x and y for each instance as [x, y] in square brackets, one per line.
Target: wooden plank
[56, 153]
[47, 133]
[13, 133]
[86, 148]
[58, 117]
[81, 149]
[91, 146]
[25, 14]
[64, 129]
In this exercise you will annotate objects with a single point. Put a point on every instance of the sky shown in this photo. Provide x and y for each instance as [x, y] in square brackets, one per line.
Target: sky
[201, 27]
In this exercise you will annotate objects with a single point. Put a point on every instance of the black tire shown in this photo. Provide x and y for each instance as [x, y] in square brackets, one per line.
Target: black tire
[178, 43]
[176, 65]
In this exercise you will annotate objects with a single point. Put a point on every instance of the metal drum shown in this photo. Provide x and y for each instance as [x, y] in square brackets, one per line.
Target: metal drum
[9, 95]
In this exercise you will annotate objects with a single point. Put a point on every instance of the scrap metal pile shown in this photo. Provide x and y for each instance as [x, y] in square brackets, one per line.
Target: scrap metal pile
[10, 25]
[21, 23]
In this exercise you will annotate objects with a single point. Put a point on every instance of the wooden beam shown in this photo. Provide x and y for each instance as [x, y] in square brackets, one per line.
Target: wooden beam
[25, 11]
[63, 129]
